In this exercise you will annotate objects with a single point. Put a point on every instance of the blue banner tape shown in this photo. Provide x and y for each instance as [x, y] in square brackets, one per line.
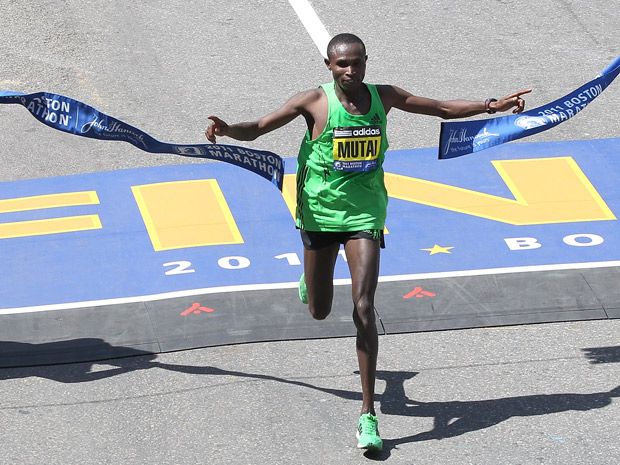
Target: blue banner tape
[464, 137]
[72, 116]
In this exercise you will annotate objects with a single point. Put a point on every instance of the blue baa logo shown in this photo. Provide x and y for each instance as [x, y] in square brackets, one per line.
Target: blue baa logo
[530, 122]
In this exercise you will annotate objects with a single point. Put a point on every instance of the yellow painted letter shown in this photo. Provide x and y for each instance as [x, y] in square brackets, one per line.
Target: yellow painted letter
[52, 225]
[184, 214]
[546, 190]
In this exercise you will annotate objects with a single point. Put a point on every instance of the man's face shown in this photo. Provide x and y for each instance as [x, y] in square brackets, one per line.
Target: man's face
[348, 66]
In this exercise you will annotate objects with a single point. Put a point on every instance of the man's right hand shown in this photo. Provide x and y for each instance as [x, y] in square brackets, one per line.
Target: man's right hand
[217, 128]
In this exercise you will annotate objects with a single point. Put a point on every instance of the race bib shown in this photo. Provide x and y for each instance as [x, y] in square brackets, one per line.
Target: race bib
[356, 148]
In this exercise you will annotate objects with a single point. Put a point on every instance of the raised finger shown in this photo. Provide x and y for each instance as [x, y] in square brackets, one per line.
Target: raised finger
[520, 93]
[216, 120]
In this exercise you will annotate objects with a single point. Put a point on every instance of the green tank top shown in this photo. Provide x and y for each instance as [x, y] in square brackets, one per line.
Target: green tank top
[340, 183]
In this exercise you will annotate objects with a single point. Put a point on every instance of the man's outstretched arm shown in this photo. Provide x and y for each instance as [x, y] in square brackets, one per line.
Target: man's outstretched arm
[395, 97]
[295, 106]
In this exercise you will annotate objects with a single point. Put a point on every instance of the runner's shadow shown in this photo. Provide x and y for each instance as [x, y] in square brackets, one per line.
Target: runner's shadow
[454, 418]
[450, 419]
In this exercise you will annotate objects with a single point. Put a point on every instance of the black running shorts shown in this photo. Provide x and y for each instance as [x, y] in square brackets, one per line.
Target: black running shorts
[314, 240]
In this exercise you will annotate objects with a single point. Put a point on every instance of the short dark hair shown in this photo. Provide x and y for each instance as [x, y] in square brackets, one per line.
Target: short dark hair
[344, 38]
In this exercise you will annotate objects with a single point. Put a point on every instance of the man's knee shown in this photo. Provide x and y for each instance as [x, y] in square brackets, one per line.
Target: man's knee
[364, 313]
[319, 312]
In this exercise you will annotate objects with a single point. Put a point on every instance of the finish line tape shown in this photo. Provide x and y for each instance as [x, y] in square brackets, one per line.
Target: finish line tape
[72, 116]
[464, 137]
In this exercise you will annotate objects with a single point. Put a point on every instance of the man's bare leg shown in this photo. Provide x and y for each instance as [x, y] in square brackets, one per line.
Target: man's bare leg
[319, 274]
[363, 259]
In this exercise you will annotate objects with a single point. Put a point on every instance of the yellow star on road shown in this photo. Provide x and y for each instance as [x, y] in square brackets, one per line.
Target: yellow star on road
[438, 249]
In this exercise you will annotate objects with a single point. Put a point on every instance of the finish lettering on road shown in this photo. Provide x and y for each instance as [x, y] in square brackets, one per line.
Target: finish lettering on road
[194, 213]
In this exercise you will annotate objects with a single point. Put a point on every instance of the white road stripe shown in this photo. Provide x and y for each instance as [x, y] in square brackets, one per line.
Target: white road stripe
[312, 23]
[292, 285]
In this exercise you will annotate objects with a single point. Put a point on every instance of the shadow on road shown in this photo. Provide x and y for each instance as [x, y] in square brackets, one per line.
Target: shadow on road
[450, 418]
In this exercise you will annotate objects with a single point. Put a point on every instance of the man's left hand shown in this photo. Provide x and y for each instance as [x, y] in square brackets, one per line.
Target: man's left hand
[510, 101]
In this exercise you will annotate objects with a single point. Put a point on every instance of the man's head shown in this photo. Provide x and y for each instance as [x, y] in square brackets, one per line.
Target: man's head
[343, 39]
[346, 59]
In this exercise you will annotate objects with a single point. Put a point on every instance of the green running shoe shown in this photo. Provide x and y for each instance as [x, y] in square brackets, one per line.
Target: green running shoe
[303, 292]
[368, 433]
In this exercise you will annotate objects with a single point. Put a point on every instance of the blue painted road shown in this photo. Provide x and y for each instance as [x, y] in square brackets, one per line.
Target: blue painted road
[118, 260]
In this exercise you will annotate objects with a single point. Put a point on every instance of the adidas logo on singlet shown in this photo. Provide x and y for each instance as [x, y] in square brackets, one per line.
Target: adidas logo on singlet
[376, 119]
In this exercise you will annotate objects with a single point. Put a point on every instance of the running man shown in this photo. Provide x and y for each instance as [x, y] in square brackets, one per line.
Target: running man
[341, 196]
